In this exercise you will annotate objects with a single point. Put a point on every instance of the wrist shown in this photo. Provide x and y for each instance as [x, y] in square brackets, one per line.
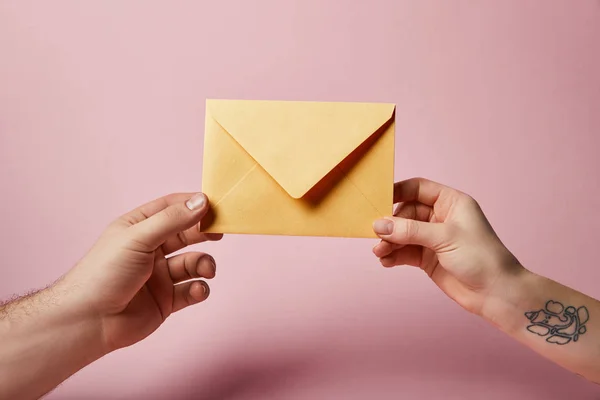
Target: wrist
[513, 292]
[45, 330]
[54, 311]
[53, 314]
[72, 312]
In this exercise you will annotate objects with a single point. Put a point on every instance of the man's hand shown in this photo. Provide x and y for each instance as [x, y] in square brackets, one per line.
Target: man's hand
[119, 293]
[445, 233]
[128, 280]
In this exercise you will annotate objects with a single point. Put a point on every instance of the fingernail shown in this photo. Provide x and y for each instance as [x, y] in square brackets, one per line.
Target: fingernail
[205, 289]
[196, 202]
[211, 264]
[383, 227]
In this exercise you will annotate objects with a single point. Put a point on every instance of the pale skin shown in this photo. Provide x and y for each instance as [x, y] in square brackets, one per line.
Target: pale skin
[445, 233]
[128, 284]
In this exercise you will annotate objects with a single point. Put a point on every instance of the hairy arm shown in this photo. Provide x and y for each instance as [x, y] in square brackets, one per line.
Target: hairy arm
[556, 321]
[43, 342]
[116, 295]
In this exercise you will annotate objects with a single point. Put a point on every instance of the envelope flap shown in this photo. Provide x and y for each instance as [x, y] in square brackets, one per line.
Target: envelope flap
[298, 143]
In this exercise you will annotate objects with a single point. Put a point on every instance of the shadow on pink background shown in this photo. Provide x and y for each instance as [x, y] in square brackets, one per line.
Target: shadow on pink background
[102, 109]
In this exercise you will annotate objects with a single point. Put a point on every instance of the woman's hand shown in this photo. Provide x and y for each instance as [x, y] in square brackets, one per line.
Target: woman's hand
[444, 232]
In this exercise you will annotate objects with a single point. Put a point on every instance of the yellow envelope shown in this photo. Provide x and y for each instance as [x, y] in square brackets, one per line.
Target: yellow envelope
[298, 168]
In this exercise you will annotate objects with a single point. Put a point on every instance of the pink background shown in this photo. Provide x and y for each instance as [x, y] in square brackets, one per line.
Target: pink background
[101, 109]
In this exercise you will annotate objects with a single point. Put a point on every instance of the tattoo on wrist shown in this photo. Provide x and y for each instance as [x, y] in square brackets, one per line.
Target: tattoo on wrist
[558, 324]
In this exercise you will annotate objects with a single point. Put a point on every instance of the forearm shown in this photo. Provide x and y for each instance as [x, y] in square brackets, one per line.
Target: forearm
[43, 342]
[528, 307]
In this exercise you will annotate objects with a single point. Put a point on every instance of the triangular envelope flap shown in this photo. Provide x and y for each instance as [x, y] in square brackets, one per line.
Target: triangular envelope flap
[298, 143]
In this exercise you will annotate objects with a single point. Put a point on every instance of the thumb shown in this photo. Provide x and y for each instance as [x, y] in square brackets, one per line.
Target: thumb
[410, 232]
[154, 231]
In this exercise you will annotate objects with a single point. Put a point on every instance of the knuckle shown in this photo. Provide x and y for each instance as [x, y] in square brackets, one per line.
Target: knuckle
[174, 213]
[386, 262]
[183, 239]
[471, 202]
[189, 264]
[410, 229]
[172, 198]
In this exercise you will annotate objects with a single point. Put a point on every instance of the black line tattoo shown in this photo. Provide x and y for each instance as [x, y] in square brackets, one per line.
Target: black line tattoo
[559, 324]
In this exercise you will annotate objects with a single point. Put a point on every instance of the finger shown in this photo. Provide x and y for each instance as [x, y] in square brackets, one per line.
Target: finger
[188, 237]
[147, 210]
[188, 293]
[180, 239]
[154, 231]
[409, 231]
[192, 265]
[384, 248]
[408, 255]
[418, 189]
[414, 210]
